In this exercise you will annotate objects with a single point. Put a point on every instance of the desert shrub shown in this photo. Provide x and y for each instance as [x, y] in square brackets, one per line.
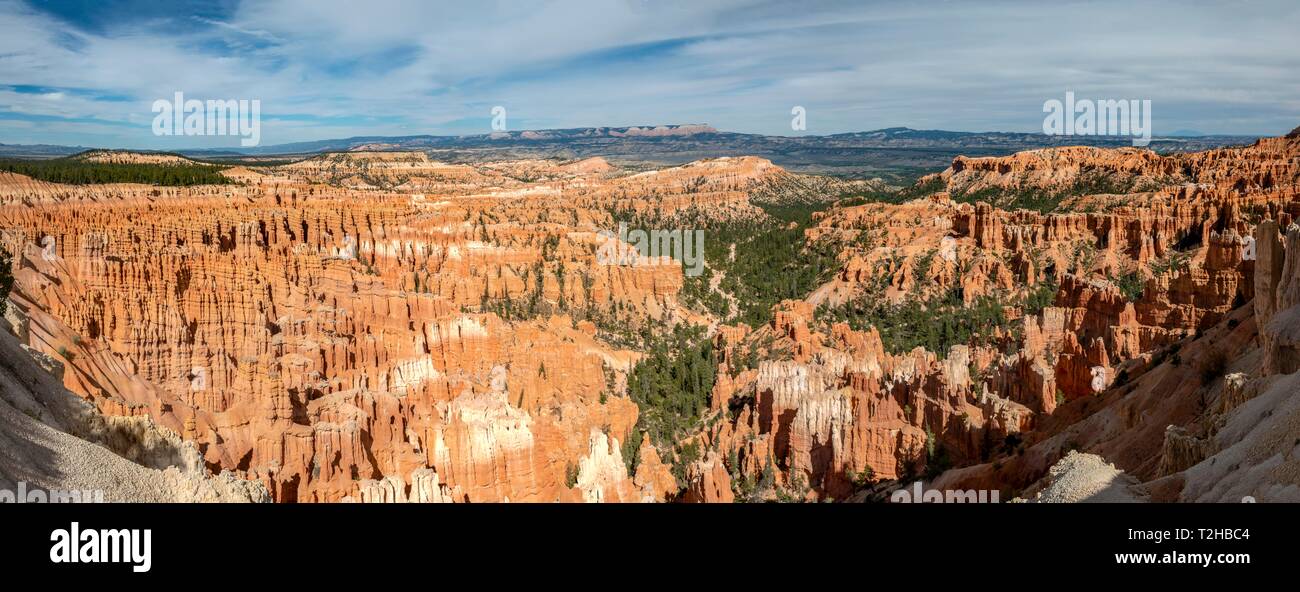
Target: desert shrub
[1130, 285]
[631, 450]
[687, 454]
[861, 480]
[1171, 262]
[1212, 365]
[1041, 296]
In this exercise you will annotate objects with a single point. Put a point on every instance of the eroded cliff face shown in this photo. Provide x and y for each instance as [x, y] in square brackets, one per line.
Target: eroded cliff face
[56, 443]
[1059, 168]
[834, 410]
[1212, 417]
[382, 327]
[334, 331]
[1149, 290]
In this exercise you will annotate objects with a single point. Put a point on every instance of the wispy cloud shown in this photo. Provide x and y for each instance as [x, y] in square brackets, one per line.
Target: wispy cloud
[336, 68]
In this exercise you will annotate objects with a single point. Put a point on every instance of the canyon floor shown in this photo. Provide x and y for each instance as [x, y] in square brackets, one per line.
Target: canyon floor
[1061, 324]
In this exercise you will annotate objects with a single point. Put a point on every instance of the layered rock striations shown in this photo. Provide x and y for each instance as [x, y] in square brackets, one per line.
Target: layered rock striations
[383, 327]
[334, 340]
[1149, 291]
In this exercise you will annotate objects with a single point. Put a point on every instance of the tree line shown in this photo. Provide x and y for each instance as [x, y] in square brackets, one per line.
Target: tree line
[80, 172]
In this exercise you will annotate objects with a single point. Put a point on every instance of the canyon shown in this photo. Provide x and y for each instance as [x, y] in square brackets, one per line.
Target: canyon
[381, 326]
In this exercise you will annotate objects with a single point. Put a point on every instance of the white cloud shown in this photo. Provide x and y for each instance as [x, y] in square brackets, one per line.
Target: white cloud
[424, 67]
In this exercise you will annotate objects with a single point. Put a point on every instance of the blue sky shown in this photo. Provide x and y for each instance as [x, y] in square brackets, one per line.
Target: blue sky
[87, 72]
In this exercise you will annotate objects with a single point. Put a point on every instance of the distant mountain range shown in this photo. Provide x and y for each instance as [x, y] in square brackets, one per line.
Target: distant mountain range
[891, 152]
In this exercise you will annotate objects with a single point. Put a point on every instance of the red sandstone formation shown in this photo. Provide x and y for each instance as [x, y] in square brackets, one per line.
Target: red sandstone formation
[830, 405]
[1057, 168]
[376, 326]
[341, 343]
